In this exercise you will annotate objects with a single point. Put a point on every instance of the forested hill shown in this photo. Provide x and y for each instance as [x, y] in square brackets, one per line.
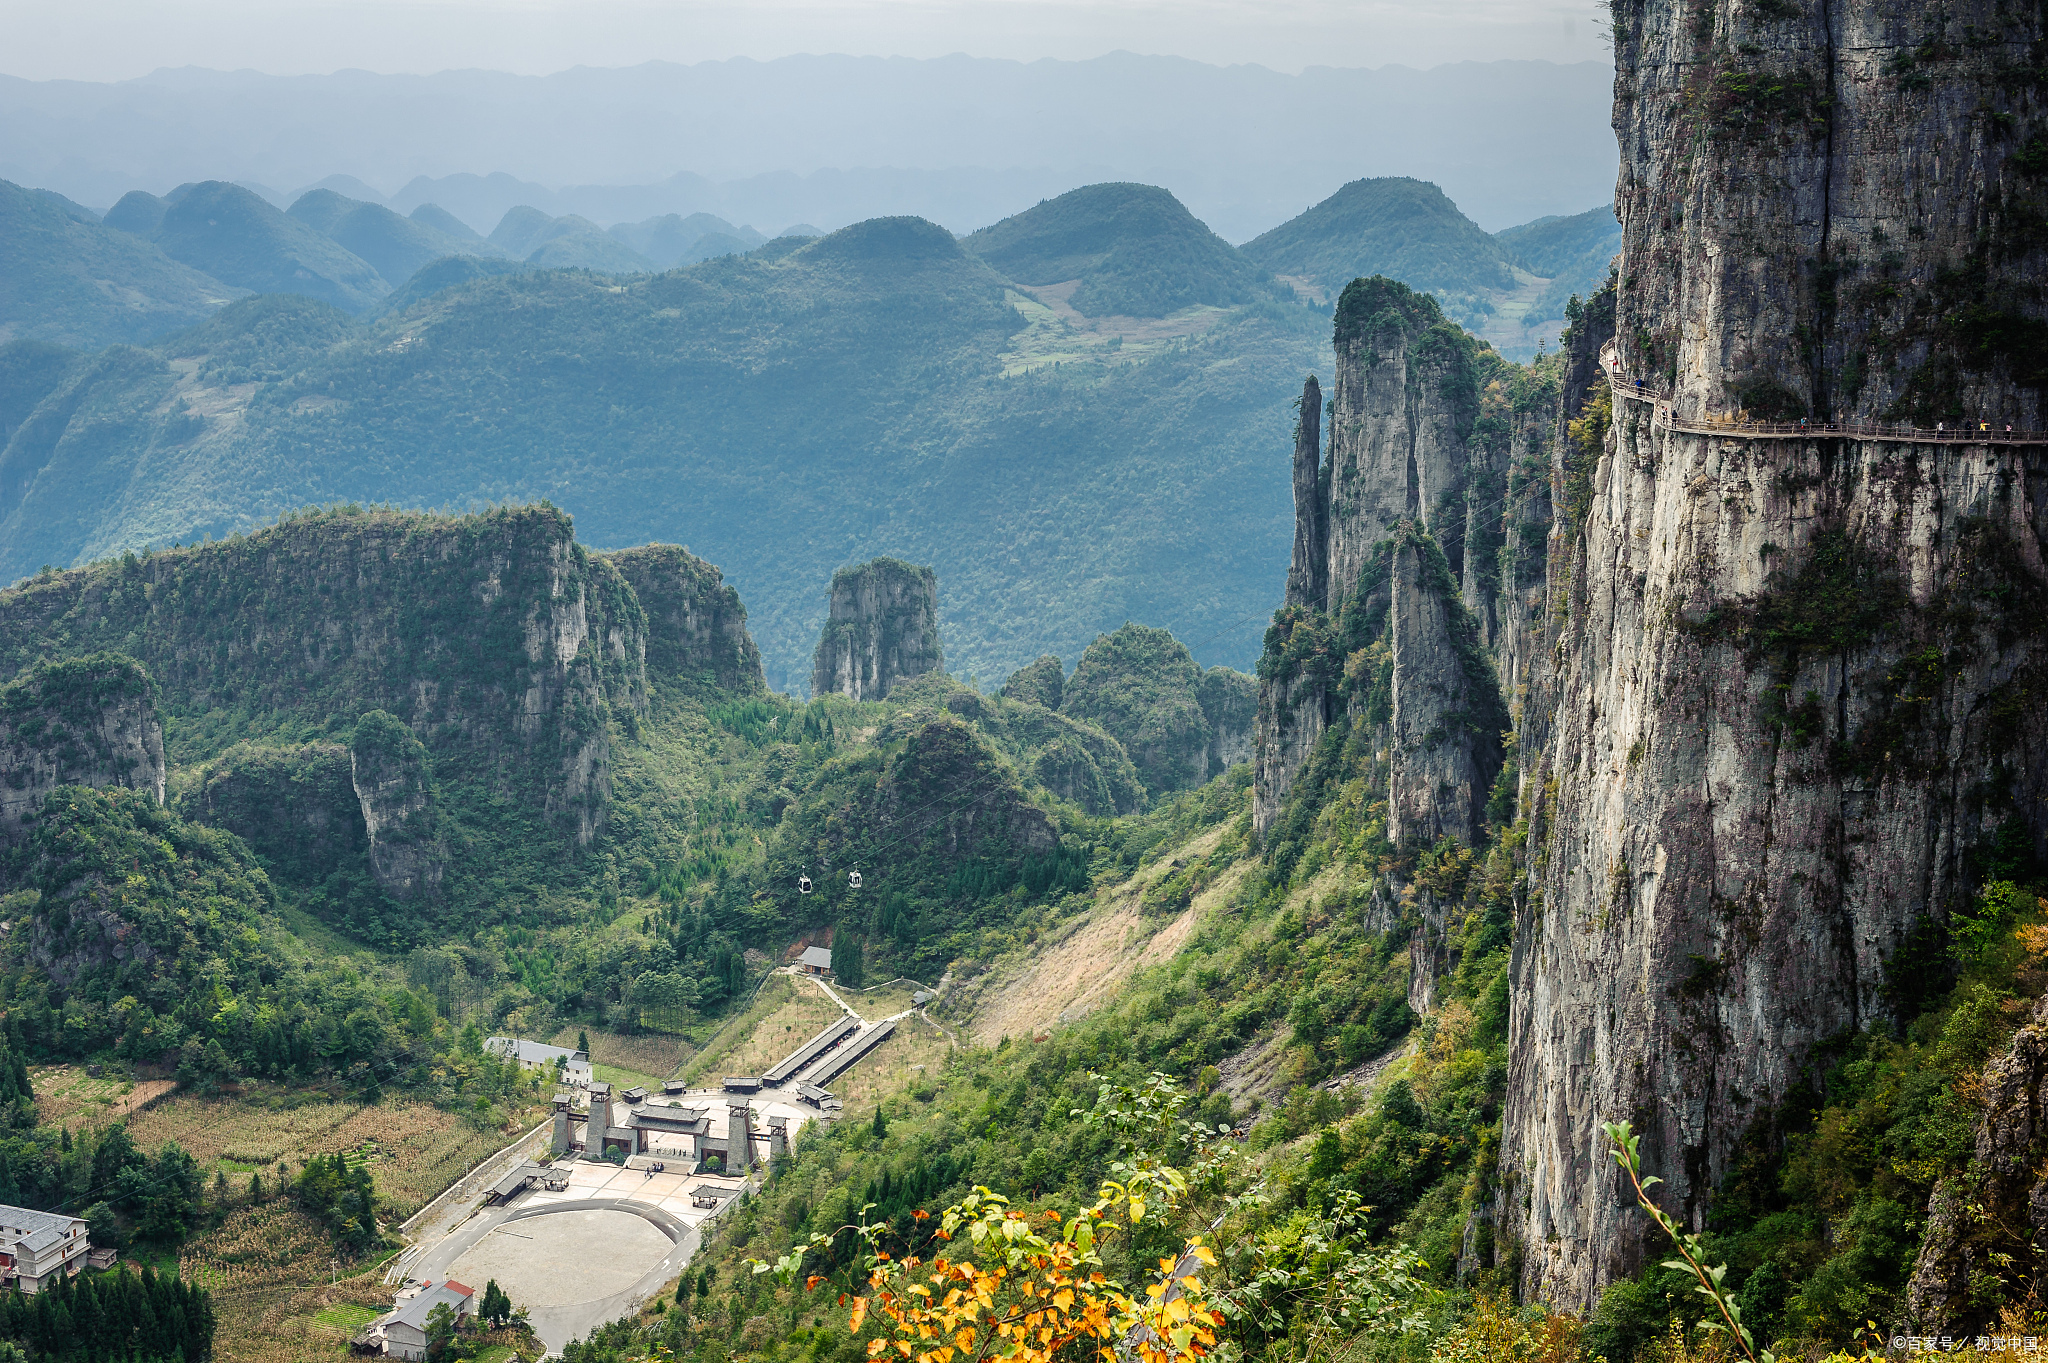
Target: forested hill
[879, 390]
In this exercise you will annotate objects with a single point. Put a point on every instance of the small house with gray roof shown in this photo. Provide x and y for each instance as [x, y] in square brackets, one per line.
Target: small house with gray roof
[36, 1246]
[402, 1333]
[575, 1065]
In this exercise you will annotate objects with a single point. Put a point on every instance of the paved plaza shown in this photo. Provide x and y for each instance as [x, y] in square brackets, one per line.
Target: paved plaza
[595, 1249]
[598, 1246]
[576, 1256]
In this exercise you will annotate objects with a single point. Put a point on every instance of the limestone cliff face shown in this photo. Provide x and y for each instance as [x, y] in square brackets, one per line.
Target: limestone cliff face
[1443, 741]
[1230, 702]
[1392, 644]
[696, 626]
[83, 722]
[394, 786]
[1542, 499]
[1834, 210]
[1401, 423]
[496, 638]
[1797, 680]
[882, 627]
[1293, 708]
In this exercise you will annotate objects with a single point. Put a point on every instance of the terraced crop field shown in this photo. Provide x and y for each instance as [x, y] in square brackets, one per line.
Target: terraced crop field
[414, 1150]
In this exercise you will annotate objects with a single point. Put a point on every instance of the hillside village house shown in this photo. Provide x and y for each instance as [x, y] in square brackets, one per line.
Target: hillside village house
[402, 1332]
[534, 1055]
[36, 1246]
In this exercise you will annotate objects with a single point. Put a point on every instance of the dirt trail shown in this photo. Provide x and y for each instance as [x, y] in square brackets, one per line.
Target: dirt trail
[1066, 980]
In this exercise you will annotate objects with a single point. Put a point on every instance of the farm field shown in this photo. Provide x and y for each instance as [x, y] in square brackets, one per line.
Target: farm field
[67, 1096]
[263, 1266]
[656, 1057]
[414, 1150]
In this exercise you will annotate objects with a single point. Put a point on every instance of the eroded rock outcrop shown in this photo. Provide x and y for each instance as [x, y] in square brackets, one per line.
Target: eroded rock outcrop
[87, 721]
[1797, 680]
[1230, 702]
[696, 626]
[394, 785]
[1392, 647]
[1993, 1226]
[882, 627]
[1294, 706]
[1446, 718]
[502, 643]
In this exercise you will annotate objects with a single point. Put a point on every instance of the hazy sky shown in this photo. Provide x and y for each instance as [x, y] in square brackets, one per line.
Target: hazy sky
[115, 39]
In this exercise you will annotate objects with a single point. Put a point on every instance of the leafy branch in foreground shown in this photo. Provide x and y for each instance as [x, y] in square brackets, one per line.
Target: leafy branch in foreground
[1623, 1143]
[1031, 1296]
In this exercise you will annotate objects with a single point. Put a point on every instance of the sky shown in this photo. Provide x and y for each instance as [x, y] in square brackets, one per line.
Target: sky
[110, 40]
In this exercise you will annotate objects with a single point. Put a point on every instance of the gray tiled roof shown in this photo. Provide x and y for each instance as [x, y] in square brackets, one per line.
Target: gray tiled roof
[33, 1230]
[416, 1311]
[532, 1052]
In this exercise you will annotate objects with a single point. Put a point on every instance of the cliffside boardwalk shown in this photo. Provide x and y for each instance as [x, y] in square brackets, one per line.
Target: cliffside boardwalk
[1738, 428]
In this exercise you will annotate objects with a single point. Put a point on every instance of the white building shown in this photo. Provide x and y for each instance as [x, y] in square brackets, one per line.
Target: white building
[536, 1055]
[36, 1246]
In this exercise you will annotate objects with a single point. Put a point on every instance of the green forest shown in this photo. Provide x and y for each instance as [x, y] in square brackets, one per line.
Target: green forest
[1350, 831]
[784, 411]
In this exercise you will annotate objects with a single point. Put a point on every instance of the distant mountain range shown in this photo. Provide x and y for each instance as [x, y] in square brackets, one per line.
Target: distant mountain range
[67, 279]
[832, 140]
[154, 265]
[1070, 413]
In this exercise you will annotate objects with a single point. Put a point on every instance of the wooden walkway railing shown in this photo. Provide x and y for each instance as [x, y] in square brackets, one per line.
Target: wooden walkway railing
[1665, 415]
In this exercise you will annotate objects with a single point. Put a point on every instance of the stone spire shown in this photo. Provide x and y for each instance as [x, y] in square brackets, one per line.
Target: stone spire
[882, 627]
[1308, 582]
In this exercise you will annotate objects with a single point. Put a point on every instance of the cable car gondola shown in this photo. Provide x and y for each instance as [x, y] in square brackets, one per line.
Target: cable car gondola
[803, 882]
[853, 880]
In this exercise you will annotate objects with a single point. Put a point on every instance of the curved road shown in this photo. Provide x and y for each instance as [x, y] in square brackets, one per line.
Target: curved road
[558, 1324]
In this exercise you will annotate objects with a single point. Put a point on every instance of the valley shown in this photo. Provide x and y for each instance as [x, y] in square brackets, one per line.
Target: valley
[1386, 793]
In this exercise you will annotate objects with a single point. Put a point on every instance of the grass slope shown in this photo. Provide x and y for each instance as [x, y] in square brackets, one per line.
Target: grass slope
[1573, 253]
[1135, 249]
[68, 279]
[782, 417]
